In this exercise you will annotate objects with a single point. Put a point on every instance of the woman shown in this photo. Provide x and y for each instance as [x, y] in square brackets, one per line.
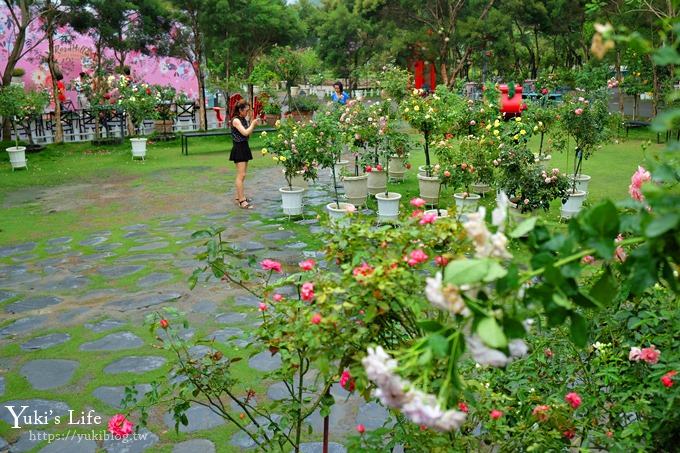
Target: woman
[339, 96]
[240, 152]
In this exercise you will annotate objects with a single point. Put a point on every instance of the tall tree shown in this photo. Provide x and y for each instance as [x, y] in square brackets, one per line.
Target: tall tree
[21, 14]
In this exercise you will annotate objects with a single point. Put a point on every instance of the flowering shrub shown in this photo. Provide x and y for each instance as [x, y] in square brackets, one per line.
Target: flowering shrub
[166, 96]
[455, 167]
[21, 107]
[537, 187]
[394, 82]
[292, 146]
[139, 100]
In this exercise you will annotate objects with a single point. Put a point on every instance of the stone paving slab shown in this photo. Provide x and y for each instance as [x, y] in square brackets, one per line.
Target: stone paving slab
[113, 396]
[231, 318]
[25, 443]
[200, 418]
[2, 385]
[143, 301]
[23, 326]
[114, 342]
[70, 446]
[45, 341]
[264, 361]
[154, 279]
[32, 303]
[149, 246]
[17, 249]
[49, 407]
[135, 364]
[194, 446]
[107, 324]
[144, 441]
[317, 447]
[119, 271]
[46, 374]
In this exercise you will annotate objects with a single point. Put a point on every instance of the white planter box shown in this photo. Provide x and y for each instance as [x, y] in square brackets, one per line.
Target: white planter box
[582, 182]
[339, 214]
[291, 200]
[429, 188]
[388, 206]
[356, 189]
[17, 157]
[377, 181]
[573, 205]
[138, 147]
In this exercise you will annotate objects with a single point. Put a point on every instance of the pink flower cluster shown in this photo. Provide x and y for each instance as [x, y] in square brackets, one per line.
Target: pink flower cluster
[551, 177]
[365, 270]
[650, 355]
[307, 291]
[416, 257]
[120, 426]
[418, 202]
[270, 265]
[307, 265]
[541, 412]
[667, 379]
[640, 177]
[346, 381]
[574, 399]
[428, 218]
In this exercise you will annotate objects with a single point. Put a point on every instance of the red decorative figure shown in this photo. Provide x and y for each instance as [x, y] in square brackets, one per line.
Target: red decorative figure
[511, 107]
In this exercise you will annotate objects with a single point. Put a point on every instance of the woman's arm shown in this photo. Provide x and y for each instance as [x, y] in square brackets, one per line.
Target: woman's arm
[239, 127]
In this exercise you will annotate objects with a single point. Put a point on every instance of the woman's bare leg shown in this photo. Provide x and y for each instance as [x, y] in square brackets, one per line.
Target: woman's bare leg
[241, 168]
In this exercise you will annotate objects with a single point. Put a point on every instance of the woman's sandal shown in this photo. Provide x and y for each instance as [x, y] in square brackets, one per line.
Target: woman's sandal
[249, 200]
[246, 205]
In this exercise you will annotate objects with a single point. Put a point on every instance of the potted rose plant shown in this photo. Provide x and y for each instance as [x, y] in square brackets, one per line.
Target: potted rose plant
[12, 103]
[457, 170]
[163, 126]
[586, 121]
[290, 146]
[139, 101]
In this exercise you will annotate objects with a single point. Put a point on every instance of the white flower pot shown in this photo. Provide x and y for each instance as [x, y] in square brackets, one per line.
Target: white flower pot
[582, 182]
[299, 181]
[481, 188]
[356, 189]
[466, 204]
[543, 158]
[397, 170]
[429, 188]
[294, 91]
[422, 170]
[377, 181]
[573, 205]
[17, 156]
[441, 213]
[388, 206]
[291, 200]
[339, 214]
[138, 147]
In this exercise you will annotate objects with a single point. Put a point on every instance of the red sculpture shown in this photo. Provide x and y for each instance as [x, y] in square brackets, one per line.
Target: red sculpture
[511, 107]
[424, 75]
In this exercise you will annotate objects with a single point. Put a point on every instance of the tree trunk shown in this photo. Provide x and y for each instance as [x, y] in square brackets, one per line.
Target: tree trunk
[619, 80]
[655, 89]
[201, 98]
[14, 56]
[52, 65]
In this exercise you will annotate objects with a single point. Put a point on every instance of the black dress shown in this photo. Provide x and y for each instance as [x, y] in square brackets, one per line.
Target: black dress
[240, 152]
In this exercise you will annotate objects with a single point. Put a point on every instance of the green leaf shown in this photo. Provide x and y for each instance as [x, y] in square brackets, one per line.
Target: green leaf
[438, 344]
[602, 222]
[201, 234]
[473, 271]
[605, 289]
[660, 225]
[562, 301]
[430, 326]
[491, 333]
[666, 55]
[578, 329]
[524, 228]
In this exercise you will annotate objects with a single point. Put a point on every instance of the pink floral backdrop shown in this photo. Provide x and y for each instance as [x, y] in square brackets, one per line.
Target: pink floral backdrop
[75, 53]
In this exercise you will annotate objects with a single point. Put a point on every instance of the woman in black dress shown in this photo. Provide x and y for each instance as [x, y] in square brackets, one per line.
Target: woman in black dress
[240, 153]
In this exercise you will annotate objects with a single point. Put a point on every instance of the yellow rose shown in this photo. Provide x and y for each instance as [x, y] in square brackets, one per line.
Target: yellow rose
[264, 151]
[535, 128]
[518, 119]
[264, 133]
[516, 137]
[278, 123]
[488, 127]
[496, 132]
[523, 132]
[275, 158]
[415, 92]
[540, 123]
[282, 158]
[416, 108]
[406, 110]
[496, 123]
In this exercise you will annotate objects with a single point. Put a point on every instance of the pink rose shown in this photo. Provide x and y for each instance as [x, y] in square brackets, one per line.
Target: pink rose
[650, 355]
[541, 412]
[350, 208]
[363, 271]
[361, 428]
[307, 291]
[418, 202]
[588, 259]
[620, 254]
[120, 426]
[473, 122]
[316, 318]
[573, 399]
[441, 260]
[416, 257]
[277, 297]
[270, 265]
[379, 167]
[578, 111]
[346, 381]
[368, 169]
[262, 307]
[496, 414]
[447, 173]
[463, 407]
[667, 379]
[544, 91]
[307, 265]
[634, 354]
[428, 218]
[639, 177]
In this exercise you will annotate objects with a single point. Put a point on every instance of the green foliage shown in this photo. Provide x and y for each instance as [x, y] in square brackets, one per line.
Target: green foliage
[395, 82]
[139, 100]
[18, 72]
[292, 146]
[305, 103]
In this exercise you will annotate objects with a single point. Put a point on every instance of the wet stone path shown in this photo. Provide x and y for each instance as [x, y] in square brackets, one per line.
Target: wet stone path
[71, 323]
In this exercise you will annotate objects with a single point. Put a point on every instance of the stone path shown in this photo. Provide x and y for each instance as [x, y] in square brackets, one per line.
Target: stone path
[75, 306]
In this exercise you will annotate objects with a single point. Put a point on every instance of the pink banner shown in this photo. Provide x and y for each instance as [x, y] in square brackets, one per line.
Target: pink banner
[75, 53]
